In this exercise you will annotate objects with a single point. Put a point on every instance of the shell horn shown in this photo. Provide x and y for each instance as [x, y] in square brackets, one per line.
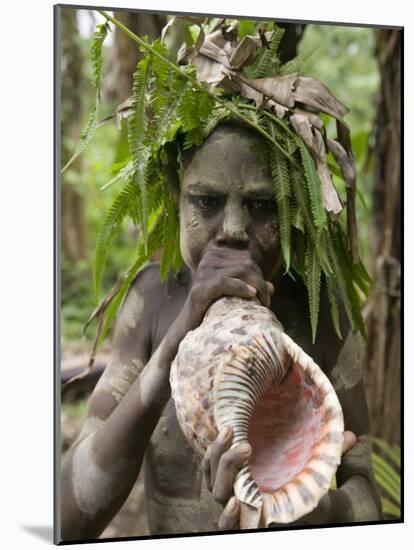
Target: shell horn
[240, 369]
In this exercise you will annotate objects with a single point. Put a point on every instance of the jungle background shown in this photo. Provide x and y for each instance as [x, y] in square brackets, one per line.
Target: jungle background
[362, 67]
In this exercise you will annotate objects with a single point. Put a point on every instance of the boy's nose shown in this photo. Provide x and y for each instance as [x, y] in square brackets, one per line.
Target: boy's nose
[233, 231]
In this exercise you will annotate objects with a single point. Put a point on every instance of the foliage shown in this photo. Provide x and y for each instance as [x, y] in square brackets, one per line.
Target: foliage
[387, 464]
[355, 79]
[170, 114]
[96, 57]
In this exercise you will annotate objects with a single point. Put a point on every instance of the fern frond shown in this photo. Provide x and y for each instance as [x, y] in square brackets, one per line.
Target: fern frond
[353, 296]
[167, 121]
[217, 115]
[313, 284]
[393, 452]
[171, 235]
[161, 69]
[333, 302]
[98, 38]
[194, 110]
[300, 193]
[96, 55]
[296, 216]
[387, 478]
[267, 62]
[137, 128]
[340, 281]
[111, 226]
[362, 278]
[281, 184]
[314, 186]
[298, 63]
[124, 173]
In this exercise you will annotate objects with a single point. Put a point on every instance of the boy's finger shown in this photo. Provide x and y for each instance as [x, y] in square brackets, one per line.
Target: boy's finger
[230, 463]
[217, 448]
[229, 518]
[349, 441]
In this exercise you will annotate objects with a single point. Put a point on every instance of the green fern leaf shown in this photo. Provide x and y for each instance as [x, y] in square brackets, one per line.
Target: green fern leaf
[300, 193]
[124, 173]
[267, 62]
[361, 278]
[298, 63]
[194, 110]
[389, 508]
[121, 206]
[340, 281]
[167, 121]
[333, 302]
[296, 216]
[314, 187]
[171, 234]
[218, 114]
[161, 69]
[387, 478]
[137, 129]
[281, 185]
[393, 452]
[354, 300]
[313, 284]
[96, 55]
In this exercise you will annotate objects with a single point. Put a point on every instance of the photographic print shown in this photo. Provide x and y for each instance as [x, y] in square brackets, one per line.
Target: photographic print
[228, 205]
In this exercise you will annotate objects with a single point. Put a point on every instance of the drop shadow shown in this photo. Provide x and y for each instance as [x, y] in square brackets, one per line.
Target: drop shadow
[44, 532]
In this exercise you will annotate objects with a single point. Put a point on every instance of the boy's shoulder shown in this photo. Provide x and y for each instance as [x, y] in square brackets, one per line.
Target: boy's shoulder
[149, 296]
[148, 281]
[148, 305]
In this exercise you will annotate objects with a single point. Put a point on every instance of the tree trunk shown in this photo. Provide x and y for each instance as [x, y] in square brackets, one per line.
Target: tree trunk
[74, 228]
[290, 41]
[383, 309]
[125, 53]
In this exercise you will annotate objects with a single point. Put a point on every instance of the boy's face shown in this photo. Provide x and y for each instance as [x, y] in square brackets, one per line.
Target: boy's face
[227, 200]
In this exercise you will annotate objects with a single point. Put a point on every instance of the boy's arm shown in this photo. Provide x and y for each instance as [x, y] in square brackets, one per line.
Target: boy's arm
[99, 470]
[357, 498]
[101, 467]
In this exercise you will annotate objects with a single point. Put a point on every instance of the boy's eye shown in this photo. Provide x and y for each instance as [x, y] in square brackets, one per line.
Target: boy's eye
[207, 201]
[263, 204]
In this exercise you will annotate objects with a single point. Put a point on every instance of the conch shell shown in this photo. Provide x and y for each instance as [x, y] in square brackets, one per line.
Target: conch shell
[239, 368]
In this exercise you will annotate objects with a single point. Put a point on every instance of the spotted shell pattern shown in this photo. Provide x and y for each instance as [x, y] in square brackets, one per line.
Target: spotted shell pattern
[239, 368]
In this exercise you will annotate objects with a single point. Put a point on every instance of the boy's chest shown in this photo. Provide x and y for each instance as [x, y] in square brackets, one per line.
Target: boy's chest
[177, 499]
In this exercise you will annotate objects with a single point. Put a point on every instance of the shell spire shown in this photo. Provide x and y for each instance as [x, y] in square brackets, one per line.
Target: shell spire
[239, 368]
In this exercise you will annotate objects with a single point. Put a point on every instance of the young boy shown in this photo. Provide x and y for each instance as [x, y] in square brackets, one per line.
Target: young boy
[230, 244]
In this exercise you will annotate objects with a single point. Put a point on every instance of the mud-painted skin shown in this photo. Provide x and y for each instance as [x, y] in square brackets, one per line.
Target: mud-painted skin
[229, 241]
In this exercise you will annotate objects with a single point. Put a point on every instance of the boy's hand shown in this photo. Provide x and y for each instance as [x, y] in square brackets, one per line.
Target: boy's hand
[220, 466]
[224, 271]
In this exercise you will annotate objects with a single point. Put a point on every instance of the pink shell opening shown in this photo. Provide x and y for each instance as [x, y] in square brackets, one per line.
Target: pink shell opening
[284, 430]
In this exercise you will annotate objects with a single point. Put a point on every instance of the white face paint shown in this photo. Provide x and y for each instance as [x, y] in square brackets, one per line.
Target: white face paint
[227, 198]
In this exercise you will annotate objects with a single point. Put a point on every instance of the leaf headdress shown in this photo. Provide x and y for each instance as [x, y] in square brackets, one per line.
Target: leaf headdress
[233, 72]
